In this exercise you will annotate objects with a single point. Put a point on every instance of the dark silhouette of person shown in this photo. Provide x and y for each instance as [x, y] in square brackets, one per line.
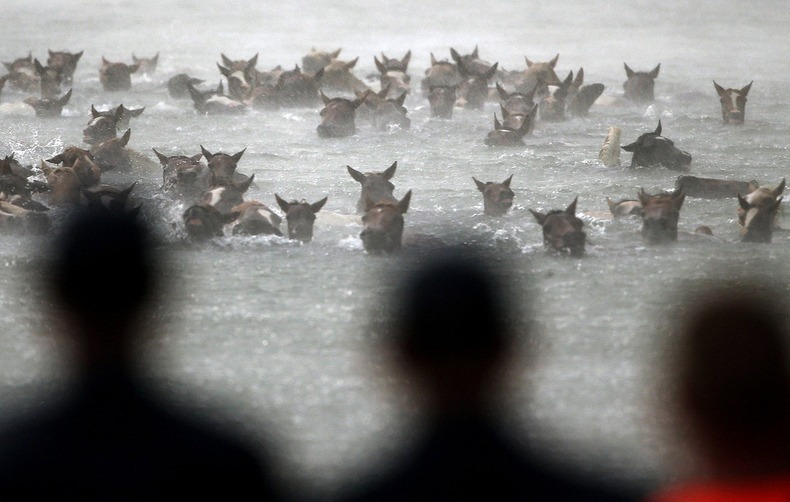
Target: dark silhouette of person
[453, 329]
[110, 436]
[730, 361]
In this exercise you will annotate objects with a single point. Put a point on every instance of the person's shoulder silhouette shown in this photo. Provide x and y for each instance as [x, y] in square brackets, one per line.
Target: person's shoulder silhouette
[730, 364]
[453, 329]
[110, 437]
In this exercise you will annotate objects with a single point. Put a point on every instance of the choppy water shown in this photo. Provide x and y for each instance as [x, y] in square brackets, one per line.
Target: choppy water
[278, 328]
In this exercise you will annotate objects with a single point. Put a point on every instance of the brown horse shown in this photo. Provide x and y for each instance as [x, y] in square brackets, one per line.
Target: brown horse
[296, 88]
[473, 89]
[316, 60]
[581, 97]
[50, 79]
[552, 107]
[497, 197]
[394, 72]
[390, 113]
[255, 218]
[562, 230]
[65, 62]
[300, 217]
[339, 78]
[225, 198]
[49, 107]
[116, 76]
[653, 150]
[102, 126]
[203, 222]
[375, 186]
[624, 207]
[123, 115]
[338, 116]
[757, 213]
[178, 86]
[441, 99]
[112, 154]
[146, 65]
[507, 136]
[537, 77]
[710, 188]
[660, 215]
[733, 103]
[383, 225]
[440, 73]
[639, 88]
[184, 175]
[221, 166]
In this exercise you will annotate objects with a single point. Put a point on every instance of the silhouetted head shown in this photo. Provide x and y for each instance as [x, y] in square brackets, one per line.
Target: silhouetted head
[102, 273]
[452, 325]
[730, 359]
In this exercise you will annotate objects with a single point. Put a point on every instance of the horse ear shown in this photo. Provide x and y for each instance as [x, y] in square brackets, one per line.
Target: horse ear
[282, 203]
[390, 171]
[553, 62]
[318, 75]
[779, 189]
[503, 94]
[226, 60]
[612, 205]
[196, 158]
[335, 54]
[628, 71]
[454, 54]
[136, 112]
[475, 53]
[539, 217]
[480, 185]
[245, 185]
[231, 216]
[491, 71]
[104, 61]
[383, 93]
[253, 61]
[433, 59]
[208, 155]
[358, 176]
[745, 90]
[497, 124]
[65, 99]
[316, 206]
[124, 194]
[125, 138]
[644, 197]
[654, 73]
[579, 80]
[78, 55]
[224, 71]
[155, 59]
[133, 67]
[401, 99]
[352, 63]
[571, 209]
[324, 98]
[721, 91]
[94, 112]
[529, 63]
[237, 156]
[405, 60]
[162, 158]
[403, 204]
[632, 147]
[507, 181]
[379, 65]
[568, 80]
[37, 64]
[57, 159]
[657, 132]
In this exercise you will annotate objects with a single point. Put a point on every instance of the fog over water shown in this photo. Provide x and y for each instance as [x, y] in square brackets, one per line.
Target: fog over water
[277, 330]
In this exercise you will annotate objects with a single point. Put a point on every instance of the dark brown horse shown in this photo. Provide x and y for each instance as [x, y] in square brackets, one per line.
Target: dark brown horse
[178, 86]
[394, 72]
[338, 116]
[710, 188]
[184, 175]
[222, 167]
[300, 216]
[49, 107]
[116, 76]
[581, 97]
[383, 222]
[660, 215]
[50, 79]
[102, 126]
[639, 88]
[562, 230]
[552, 107]
[624, 207]
[757, 213]
[473, 89]
[255, 218]
[65, 62]
[507, 136]
[203, 222]
[296, 88]
[123, 115]
[537, 77]
[390, 113]
[375, 186]
[113, 154]
[733, 103]
[653, 150]
[316, 60]
[225, 198]
[441, 99]
[497, 197]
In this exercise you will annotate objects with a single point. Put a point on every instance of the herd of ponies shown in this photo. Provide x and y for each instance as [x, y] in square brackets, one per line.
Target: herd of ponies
[214, 192]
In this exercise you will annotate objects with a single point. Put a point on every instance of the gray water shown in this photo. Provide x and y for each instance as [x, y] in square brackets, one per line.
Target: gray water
[277, 330]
